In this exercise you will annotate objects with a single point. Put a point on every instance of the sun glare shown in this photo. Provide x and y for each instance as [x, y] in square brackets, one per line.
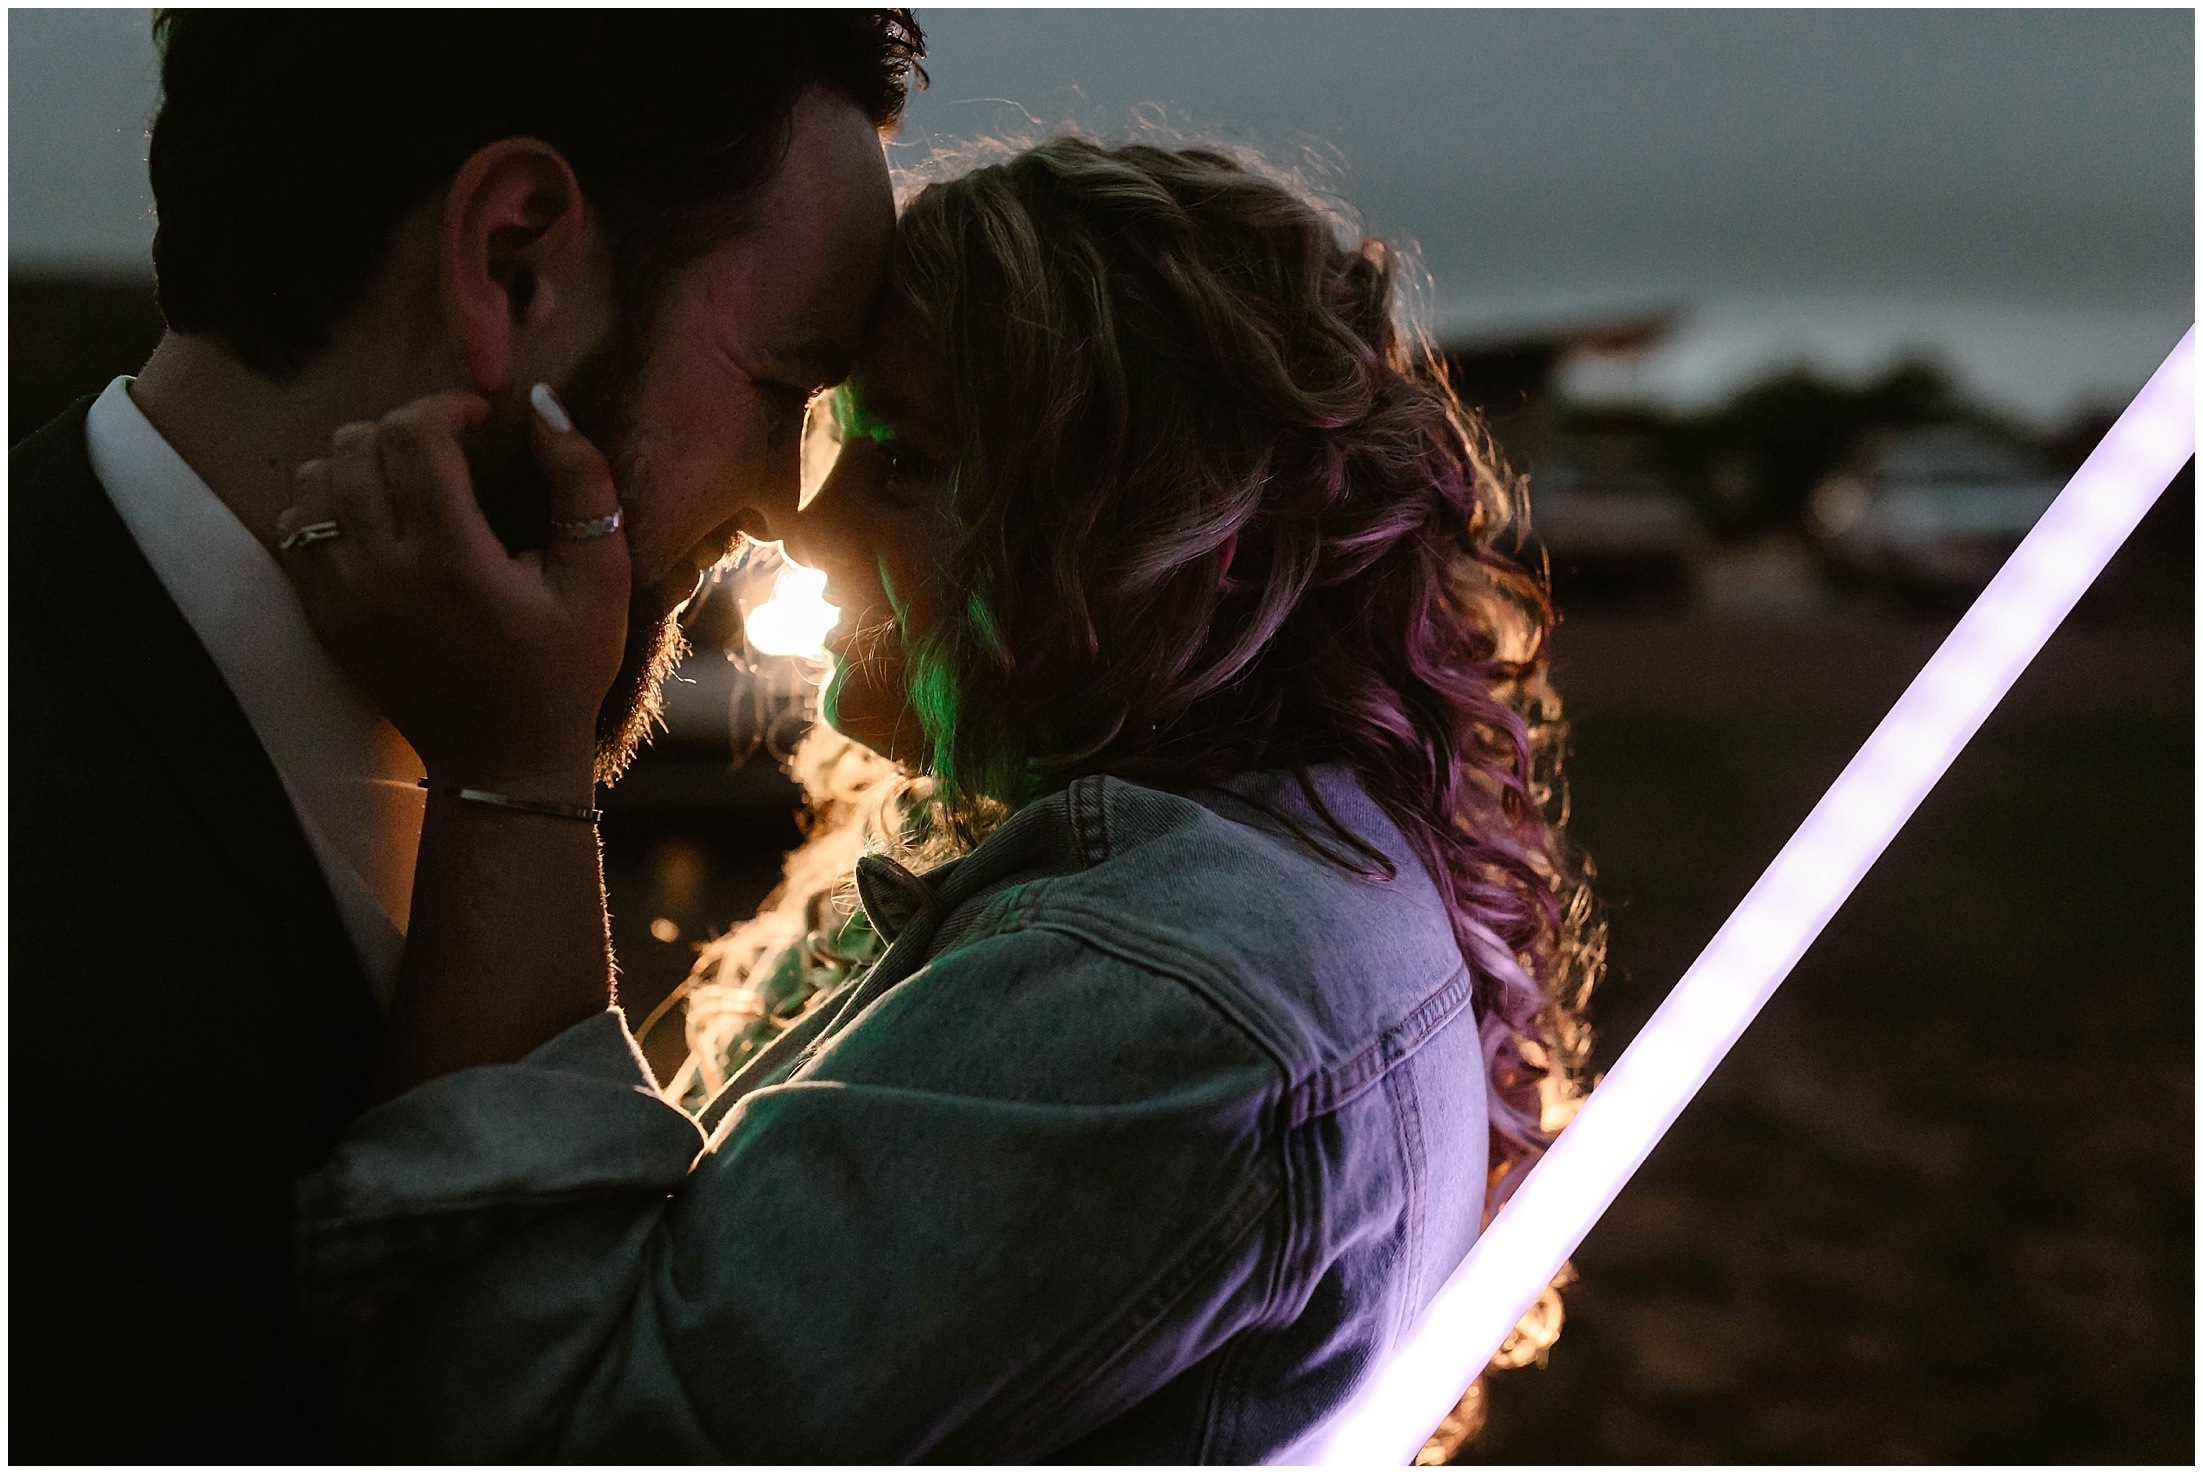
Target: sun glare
[796, 619]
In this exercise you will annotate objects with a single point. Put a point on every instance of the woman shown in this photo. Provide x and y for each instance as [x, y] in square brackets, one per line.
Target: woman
[1244, 970]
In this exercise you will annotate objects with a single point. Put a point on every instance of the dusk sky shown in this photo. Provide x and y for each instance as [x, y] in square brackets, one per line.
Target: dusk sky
[2012, 191]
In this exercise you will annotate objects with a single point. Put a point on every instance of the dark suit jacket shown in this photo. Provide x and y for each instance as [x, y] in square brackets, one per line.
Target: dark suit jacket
[190, 1026]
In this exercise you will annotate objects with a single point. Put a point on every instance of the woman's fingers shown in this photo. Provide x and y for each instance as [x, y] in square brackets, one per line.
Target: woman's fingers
[312, 506]
[358, 498]
[486, 662]
[401, 493]
[312, 550]
[309, 498]
[587, 558]
[429, 484]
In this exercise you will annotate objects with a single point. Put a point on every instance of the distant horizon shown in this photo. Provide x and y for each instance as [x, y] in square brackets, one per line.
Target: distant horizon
[1695, 369]
[2008, 193]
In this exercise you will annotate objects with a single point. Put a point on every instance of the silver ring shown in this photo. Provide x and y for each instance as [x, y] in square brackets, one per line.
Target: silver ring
[312, 532]
[593, 527]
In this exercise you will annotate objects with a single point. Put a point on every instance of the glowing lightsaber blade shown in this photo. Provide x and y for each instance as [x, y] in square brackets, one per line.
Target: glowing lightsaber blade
[1388, 1421]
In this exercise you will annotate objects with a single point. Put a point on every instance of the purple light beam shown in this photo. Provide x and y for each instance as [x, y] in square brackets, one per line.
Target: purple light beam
[1389, 1419]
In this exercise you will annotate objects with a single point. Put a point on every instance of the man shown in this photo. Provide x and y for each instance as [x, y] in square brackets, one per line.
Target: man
[679, 221]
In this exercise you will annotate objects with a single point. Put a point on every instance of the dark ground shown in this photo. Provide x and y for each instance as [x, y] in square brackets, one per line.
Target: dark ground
[1938, 1205]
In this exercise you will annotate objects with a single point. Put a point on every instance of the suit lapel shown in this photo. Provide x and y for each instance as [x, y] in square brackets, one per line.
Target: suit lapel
[73, 556]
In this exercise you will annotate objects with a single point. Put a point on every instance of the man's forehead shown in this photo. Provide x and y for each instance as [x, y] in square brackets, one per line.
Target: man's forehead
[795, 294]
[807, 263]
[790, 304]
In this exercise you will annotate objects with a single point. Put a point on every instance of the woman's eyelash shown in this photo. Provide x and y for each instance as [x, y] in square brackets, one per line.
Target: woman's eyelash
[904, 461]
[788, 400]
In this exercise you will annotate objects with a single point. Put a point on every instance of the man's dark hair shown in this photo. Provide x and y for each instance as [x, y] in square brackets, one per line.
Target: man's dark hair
[289, 143]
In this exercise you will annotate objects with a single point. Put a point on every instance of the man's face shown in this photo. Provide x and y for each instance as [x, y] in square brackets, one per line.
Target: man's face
[708, 424]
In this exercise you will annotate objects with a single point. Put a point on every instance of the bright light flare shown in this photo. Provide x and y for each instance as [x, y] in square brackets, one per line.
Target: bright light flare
[796, 619]
[1755, 949]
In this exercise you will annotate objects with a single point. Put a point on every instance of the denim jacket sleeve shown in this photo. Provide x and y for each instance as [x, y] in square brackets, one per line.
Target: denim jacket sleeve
[1023, 1188]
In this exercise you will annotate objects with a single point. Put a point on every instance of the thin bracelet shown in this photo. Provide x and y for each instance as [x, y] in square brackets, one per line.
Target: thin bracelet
[522, 805]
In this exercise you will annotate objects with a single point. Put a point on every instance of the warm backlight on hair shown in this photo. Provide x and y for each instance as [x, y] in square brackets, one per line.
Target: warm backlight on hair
[1755, 949]
[796, 619]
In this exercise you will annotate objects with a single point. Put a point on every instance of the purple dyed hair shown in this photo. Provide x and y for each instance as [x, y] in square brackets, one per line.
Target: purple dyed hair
[1216, 509]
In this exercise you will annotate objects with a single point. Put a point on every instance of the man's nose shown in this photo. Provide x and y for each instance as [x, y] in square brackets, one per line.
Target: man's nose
[770, 499]
[804, 539]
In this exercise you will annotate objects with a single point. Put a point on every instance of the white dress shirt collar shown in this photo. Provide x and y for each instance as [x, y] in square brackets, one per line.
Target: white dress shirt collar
[350, 776]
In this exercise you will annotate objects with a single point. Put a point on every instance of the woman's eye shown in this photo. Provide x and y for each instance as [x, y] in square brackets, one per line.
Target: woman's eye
[905, 463]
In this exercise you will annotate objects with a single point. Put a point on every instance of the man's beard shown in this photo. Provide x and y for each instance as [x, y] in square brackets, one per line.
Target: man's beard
[600, 397]
[637, 698]
[516, 498]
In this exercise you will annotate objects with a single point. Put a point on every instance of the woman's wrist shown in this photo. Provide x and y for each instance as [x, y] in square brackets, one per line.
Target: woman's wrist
[571, 783]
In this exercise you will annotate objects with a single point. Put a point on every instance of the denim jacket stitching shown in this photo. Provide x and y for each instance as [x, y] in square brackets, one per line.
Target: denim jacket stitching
[1216, 1398]
[1086, 807]
[1112, 1339]
[1290, 1267]
[1113, 936]
[1334, 1089]
[1407, 1110]
[1321, 1091]
[1076, 823]
[1101, 818]
[1305, 1170]
[1293, 1271]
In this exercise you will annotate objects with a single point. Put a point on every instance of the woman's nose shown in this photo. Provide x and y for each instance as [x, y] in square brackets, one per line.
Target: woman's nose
[816, 535]
[800, 537]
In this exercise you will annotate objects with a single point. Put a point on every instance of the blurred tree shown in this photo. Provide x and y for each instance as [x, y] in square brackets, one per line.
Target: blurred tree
[1757, 457]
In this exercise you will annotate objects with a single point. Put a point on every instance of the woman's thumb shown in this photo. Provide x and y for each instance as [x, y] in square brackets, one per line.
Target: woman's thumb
[588, 551]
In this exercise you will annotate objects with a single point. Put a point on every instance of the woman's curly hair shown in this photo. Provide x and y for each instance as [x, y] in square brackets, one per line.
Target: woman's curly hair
[1214, 509]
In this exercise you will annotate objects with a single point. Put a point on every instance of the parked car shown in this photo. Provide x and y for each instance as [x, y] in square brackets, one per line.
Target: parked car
[1612, 521]
[1929, 513]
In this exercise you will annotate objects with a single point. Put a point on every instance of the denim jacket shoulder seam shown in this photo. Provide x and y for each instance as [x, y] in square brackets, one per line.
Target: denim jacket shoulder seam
[1294, 1267]
[1321, 1091]
[1063, 921]
[1407, 1108]
[1333, 1089]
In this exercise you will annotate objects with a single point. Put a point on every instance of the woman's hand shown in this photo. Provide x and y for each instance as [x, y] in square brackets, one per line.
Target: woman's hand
[493, 666]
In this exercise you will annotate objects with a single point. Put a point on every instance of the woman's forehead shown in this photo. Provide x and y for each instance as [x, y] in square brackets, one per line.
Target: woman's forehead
[898, 377]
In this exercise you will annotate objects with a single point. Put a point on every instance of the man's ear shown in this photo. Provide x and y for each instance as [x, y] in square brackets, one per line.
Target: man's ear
[518, 257]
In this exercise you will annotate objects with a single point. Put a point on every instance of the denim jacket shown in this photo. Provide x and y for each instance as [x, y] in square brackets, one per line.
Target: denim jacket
[1147, 1135]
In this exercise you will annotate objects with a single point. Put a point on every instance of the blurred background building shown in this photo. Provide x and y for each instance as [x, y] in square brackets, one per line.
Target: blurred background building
[1795, 320]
